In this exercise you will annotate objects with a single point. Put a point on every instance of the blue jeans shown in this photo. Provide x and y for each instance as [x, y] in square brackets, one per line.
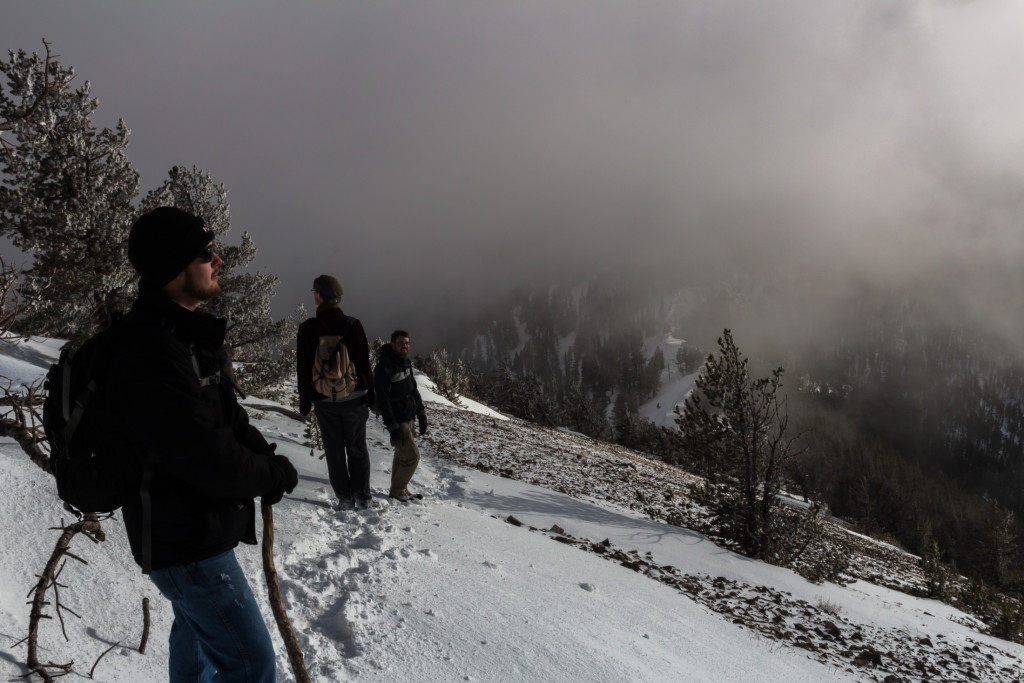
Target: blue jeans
[218, 633]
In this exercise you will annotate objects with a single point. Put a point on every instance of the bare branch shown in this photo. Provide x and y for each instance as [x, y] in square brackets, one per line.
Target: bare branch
[145, 626]
[104, 653]
[89, 525]
[24, 422]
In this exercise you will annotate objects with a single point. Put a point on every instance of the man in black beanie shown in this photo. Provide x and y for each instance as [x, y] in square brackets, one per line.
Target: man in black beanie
[200, 462]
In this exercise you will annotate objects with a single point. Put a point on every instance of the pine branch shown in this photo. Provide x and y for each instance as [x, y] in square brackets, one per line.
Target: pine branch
[30, 115]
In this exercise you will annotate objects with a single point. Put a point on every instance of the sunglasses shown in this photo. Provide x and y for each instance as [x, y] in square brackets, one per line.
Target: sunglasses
[206, 255]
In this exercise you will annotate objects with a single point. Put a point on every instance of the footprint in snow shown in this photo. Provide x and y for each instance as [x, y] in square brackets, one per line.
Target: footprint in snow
[367, 541]
[396, 553]
[339, 561]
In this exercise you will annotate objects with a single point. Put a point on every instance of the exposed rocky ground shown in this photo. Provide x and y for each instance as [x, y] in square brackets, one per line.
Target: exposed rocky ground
[583, 468]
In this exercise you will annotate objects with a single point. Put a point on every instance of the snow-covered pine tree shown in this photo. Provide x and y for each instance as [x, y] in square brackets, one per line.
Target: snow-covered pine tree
[375, 344]
[10, 305]
[258, 343]
[451, 378]
[66, 192]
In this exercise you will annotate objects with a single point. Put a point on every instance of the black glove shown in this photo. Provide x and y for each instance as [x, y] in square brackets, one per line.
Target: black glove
[422, 417]
[396, 436]
[283, 478]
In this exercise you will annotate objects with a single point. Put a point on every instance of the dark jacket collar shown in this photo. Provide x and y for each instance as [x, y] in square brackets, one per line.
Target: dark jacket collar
[196, 327]
[325, 307]
[388, 353]
[326, 311]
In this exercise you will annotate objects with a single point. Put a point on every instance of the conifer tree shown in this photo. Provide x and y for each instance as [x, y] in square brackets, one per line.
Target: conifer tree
[452, 378]
[66, 192]
[256, 340]
[734, 429]
[520, 395]
[581, 414]
[1000, 541]
[66, 198]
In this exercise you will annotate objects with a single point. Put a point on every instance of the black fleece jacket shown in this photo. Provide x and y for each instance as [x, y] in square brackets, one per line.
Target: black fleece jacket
[398, 397]
[209, 461]
[330, 320]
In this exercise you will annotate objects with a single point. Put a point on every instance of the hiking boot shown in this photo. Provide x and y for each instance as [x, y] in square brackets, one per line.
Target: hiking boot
[404, 496]
[365, 503]
[342, 504]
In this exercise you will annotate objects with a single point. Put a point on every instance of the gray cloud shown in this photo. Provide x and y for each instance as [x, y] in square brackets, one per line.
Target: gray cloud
[432, 155]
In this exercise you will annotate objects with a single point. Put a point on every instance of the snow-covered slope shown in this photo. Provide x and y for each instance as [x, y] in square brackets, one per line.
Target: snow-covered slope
[489, 578]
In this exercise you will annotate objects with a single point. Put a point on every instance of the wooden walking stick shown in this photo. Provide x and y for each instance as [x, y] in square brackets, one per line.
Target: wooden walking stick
[283, 625]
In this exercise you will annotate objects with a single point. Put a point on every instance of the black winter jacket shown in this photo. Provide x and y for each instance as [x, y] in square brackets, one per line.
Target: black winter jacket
[330, 320]
[209, 461]
[398, 398]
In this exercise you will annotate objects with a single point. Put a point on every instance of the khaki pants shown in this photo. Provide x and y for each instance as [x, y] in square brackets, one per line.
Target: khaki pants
[407, 457]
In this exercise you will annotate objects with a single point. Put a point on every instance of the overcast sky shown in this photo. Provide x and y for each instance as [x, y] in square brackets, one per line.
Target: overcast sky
[432, 153]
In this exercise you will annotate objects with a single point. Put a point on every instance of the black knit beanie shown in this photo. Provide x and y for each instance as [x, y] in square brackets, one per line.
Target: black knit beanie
[163, 242]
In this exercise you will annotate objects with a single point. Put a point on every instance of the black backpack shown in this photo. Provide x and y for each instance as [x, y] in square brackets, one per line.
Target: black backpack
[78, 426]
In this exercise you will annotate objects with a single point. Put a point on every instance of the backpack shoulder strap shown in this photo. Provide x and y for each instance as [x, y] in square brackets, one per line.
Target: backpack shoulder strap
[204, 381]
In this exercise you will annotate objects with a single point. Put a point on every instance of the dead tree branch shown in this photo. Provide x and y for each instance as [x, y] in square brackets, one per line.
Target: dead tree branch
[145, 626]
[277, 409]
[102, 655]
[90, 527]
[274, 592]
[23, 422]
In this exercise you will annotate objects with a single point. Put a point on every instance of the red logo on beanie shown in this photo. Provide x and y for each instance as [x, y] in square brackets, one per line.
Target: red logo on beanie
[205, 229]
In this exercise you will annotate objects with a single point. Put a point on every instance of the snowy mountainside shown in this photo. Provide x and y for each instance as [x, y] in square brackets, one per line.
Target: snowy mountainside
[535, 554]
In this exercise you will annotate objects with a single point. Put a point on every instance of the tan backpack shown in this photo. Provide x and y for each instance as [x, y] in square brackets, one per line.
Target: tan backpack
[334, 373]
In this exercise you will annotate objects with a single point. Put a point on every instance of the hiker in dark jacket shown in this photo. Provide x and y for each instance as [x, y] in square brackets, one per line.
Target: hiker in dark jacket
[341, 419]
[201, 461]
[399, 403]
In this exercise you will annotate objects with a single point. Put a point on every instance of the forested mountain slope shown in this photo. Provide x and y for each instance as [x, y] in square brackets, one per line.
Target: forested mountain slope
[913, 414]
